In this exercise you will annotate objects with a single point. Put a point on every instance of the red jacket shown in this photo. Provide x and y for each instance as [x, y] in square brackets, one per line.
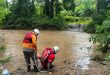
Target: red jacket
[48, 55]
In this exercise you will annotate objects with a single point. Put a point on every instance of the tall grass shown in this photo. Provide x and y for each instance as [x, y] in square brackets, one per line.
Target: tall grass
[5, 59]
[2, 48]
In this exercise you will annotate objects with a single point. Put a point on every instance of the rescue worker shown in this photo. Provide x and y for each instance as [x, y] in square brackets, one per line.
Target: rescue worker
[30, 48]
[48, 57]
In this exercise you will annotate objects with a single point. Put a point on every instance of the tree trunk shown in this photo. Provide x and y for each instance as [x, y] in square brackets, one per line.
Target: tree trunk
[97, 6]
[6, 3]
[51, 8]
[57, 7]
[46, 7]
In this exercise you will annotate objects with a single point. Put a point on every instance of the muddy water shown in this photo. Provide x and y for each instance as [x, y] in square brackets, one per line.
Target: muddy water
[73, 48]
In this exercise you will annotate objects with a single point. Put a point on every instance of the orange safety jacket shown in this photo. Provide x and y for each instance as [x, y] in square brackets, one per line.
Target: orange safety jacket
[31, 45]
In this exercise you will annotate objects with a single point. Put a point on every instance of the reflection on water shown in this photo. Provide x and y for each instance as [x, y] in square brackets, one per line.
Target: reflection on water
[83, 63]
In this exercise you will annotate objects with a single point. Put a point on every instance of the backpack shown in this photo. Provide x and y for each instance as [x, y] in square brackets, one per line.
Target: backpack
[47, 52]
[28, 38]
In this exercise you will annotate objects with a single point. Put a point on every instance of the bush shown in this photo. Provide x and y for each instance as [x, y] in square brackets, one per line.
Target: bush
[88, 12]
[108, 57]
[57, 23]
[98, 18]
[90, 28]
[65, 13]
[5, 60]
[3, 12]
[102, 36]
[72, 18]
[12, 22]
[2, 48]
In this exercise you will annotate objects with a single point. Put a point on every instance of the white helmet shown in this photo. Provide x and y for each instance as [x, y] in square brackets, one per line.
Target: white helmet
[56, 49]
[36, 31]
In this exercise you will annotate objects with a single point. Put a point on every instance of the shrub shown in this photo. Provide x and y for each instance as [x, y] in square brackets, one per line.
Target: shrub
[5, 60]
[102, 36]
[72, 18]
[65, 13]
[98, 18]
[108, 57]
[57, 23]
[12, 22]
[90, 28]
[2, 48]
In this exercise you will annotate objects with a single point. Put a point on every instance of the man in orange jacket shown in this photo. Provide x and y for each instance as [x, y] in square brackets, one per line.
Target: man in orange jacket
[29, 48]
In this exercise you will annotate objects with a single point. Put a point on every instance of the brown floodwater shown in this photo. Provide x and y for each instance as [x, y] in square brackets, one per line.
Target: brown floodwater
[73, 49]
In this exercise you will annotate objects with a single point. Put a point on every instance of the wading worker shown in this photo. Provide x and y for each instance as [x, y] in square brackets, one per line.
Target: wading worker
[30, 48]
[48, 57]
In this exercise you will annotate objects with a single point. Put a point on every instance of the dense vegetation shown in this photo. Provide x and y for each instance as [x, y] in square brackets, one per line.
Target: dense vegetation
[45, 14]
[100, 25]
[28, 14]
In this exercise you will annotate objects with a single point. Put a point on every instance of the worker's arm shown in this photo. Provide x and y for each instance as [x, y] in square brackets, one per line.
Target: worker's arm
[34, 41]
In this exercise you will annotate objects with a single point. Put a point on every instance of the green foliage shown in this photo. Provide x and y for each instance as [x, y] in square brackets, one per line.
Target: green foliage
[72, 18]
[83, 5]
[102, 35]
[3, 10]
[90, 28]
[65, 13]
[69, 5]
[88, 12]
[3, 3]
[23, 8]
[56, 23]
[2, 48]
[101, 5]
[108, 57]
[98, 18]
[77, 20]
[4, 60]
[12, 22]
[39, 9]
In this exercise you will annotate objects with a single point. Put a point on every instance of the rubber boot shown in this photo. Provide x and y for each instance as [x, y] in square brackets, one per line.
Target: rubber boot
[28, 68]
[35, 68]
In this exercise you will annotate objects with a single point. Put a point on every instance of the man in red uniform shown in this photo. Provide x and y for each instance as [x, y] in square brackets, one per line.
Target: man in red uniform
[48, 57]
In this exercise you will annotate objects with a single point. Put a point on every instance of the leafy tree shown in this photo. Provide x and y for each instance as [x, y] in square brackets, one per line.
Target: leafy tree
[102, 34]
[3, 10]
[3, 3]
[51, 7]
[24, 8]
[101, 4]
[69, 5]
[85, 7]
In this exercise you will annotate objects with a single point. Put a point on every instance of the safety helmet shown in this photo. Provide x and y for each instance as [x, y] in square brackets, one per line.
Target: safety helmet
[56, 49]
[36, 31]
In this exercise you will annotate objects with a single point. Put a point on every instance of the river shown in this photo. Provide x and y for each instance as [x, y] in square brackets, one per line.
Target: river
[74, 51]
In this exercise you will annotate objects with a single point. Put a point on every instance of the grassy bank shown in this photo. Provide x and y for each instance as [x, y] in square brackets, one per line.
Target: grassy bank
[77, 20]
